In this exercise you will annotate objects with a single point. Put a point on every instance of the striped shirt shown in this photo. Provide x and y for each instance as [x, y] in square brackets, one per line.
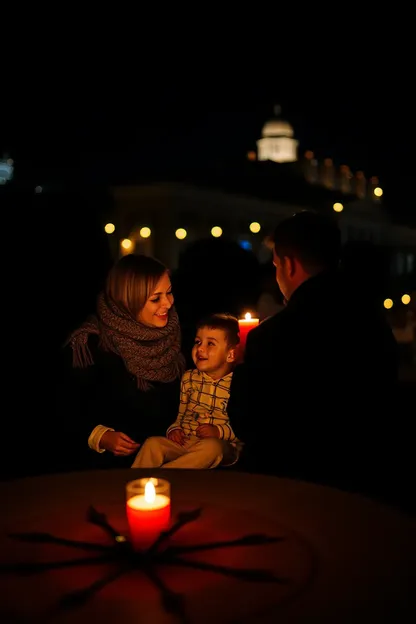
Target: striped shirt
[204, 400]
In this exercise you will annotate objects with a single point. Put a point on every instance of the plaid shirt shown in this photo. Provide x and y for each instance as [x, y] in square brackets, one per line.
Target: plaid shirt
[204, 401]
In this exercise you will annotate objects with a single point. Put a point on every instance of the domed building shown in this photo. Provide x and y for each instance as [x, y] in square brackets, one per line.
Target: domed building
[277, 141]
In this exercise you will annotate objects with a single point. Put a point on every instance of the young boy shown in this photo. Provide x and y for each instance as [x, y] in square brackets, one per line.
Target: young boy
[201, 436]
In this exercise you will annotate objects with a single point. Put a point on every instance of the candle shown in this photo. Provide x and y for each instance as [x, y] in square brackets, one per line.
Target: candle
[246, 324]
[148, 510]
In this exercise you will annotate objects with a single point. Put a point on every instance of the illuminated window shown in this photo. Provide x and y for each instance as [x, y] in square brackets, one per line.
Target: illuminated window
[6, 170]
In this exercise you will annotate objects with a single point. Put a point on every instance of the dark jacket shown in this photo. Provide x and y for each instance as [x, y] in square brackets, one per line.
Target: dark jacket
[105, 393]
[316, 381]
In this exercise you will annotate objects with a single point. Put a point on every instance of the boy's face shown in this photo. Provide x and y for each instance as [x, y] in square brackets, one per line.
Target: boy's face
[211, 353]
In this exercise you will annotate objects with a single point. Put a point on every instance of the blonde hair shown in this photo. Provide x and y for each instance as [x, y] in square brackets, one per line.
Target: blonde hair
[132, 280]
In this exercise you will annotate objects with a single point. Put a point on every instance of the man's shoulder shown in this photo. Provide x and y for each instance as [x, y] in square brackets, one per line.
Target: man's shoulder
[270, 325]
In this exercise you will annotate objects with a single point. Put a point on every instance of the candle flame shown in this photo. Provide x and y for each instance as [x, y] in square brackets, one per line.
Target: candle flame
[248, 316]
[149, 492]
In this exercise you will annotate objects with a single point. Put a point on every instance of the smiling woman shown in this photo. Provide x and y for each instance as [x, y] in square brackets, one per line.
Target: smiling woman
[123, 382]
[155, 311]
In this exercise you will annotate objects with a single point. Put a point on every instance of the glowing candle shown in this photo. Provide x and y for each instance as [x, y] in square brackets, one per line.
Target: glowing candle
[148, 510]
[246, 324]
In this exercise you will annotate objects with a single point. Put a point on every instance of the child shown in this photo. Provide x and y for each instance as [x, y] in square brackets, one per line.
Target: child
[201, 436]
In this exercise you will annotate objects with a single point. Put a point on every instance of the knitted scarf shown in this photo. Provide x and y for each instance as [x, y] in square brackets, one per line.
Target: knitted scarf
[149, 353]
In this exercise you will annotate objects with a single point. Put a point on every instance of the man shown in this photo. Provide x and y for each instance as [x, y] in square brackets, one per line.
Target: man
[310, 398]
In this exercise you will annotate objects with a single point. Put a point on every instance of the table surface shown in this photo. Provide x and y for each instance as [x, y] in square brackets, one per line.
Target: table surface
[363, 554]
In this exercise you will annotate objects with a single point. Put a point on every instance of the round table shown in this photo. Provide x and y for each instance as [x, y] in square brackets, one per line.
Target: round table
[346, 558]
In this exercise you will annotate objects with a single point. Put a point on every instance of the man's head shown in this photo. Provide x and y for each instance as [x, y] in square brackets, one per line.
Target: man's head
[214, 350]
[305, 244]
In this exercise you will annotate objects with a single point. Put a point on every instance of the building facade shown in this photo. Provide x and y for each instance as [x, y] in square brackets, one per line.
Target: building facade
[244, 204]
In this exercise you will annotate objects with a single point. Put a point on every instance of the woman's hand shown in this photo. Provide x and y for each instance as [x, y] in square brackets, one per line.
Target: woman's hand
[118, 443]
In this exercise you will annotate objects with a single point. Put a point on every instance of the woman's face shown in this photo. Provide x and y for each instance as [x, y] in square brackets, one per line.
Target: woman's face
[155, 311]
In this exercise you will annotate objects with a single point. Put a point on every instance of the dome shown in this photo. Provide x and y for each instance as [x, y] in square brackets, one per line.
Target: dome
[277, 128]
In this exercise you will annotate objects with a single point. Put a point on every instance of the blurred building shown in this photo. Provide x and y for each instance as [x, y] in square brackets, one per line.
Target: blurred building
[162, 212]
[6, 169]
[159, 206]
[277, 141]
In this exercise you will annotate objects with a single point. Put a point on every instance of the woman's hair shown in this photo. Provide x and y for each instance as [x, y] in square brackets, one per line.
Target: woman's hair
[132, 280]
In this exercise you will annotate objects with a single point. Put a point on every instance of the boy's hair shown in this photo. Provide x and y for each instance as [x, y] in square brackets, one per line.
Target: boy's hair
[227, 322]
[313, 238]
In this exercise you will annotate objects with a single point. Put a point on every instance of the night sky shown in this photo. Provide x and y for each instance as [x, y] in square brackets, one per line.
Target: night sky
[357, 115]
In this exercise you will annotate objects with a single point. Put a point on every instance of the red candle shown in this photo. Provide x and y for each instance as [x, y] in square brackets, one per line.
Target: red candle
[148, 510]
[246, 324]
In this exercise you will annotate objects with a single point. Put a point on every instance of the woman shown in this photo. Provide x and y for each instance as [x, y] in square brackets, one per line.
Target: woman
[126, 364]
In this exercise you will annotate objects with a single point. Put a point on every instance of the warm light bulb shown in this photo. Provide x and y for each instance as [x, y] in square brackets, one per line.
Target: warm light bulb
[255, 227]
[126, 243]
[378, 192]
[216, 231]
[247, 316]
[181, 233]
[109, 228]
[406, 299]
[388, 303]
[145, 232]
[149, 492]
[338, 207]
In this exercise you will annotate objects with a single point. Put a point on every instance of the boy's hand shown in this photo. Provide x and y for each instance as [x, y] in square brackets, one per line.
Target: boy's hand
[177, 435]
[207, 431]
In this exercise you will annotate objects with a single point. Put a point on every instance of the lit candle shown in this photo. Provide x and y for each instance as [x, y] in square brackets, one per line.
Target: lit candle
[148, 510]
[246, 324]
